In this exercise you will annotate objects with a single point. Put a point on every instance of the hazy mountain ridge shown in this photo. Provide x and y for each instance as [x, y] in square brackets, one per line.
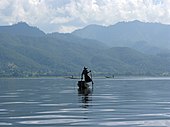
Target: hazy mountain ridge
[21, 28]
[55, 53]
[130, 61]
[129, 34]
[25, 53]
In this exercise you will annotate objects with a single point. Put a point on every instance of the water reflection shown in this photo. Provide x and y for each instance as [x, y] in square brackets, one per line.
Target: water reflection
[85, 96]
[51, 103]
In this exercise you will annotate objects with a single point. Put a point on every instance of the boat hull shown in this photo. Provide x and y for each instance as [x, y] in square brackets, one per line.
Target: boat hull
[82, 85]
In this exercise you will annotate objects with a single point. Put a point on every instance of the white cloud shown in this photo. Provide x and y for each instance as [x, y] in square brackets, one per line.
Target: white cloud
[3, 4]
[108, 12]
[63, 15]
[67, 29]
[61, 20]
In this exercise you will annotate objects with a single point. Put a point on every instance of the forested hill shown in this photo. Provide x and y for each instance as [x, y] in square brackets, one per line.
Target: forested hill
[149, 38]
[24, 53]
[28, 51]
[21, 28]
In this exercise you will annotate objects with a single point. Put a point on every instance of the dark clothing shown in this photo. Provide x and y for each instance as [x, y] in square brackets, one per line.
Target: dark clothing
[86, 76]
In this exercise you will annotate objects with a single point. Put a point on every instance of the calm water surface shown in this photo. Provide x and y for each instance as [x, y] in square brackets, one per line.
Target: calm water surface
[58, 103]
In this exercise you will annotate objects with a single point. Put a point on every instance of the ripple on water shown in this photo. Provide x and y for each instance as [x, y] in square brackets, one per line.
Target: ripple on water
[71, 110]
[5, 124]
[153, 123]
[52, 121]
[67, 91]
[51, 105]
[46, 117]
[11, 103]
[9, 96]
[130, 103]
[3, 111]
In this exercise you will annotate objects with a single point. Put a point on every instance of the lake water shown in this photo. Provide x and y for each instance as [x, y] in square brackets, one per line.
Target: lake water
[56, 102]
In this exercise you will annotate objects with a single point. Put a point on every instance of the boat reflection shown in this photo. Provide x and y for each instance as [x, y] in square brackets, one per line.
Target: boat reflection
[85, 96]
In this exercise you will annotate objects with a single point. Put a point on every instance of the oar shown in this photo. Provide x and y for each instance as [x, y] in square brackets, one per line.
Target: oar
[91, 79]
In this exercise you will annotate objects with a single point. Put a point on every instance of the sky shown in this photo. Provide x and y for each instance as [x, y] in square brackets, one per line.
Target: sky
[65, 16]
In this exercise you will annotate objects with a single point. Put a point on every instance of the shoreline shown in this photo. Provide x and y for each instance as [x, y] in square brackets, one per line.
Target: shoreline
[94, 77]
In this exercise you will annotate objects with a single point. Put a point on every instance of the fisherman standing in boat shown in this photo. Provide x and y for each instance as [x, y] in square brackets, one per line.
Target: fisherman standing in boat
[86, 76]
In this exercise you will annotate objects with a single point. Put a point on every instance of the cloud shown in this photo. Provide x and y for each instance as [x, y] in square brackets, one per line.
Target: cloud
[109, 11]
[68, 15]
[65, 29]
[23, 10]
[61, 20]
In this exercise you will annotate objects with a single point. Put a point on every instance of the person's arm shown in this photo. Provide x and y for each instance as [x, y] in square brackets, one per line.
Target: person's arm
[88, 71]
[82, 75]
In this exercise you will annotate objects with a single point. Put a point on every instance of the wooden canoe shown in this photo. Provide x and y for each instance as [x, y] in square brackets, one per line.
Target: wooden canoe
[82, 85]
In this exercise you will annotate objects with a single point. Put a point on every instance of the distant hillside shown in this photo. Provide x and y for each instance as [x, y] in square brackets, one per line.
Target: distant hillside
[124, 60]
[23, 54]
[51, 54]
[21, 28]
[145, 37]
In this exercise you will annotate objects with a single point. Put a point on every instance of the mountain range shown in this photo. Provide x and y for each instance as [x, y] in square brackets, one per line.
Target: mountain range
[126, 48]
[149, 38]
